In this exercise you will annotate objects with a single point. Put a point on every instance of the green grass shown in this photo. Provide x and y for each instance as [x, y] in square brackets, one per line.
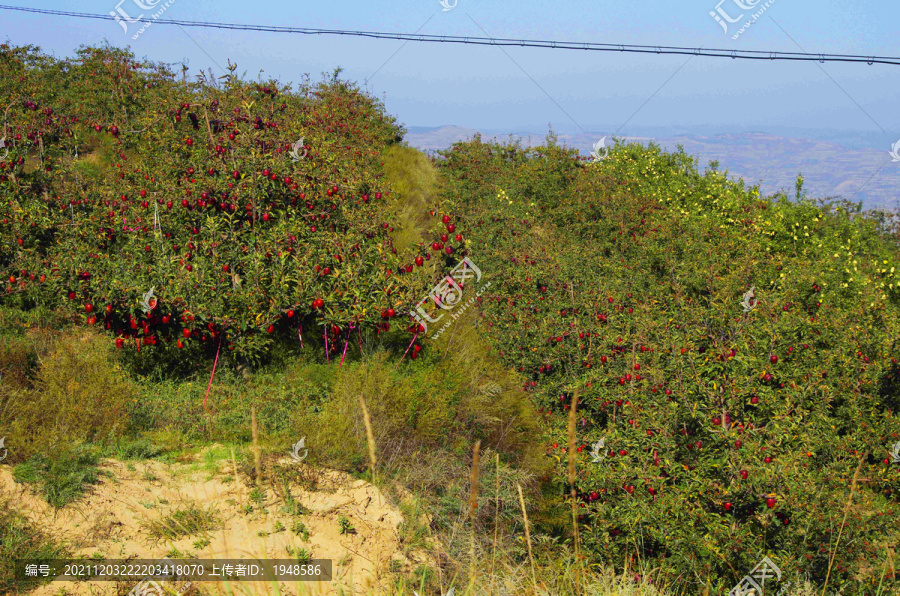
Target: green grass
[187, 520]
[63, 479]
[138, 449]
[303, 555]
[20, 539]
[299, 528]
[345, 526]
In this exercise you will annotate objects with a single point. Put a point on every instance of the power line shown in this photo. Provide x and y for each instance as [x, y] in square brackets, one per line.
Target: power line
[532, 43]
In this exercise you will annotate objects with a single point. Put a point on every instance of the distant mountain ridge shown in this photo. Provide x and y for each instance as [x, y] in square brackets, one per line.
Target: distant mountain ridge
[829, 169]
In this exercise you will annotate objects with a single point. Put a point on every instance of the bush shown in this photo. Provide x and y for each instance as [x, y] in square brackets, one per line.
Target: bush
[80, 394]
[260, 242]
[728, 435]
[435, 406]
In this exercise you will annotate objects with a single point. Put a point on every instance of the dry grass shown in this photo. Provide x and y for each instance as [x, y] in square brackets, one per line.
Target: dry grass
[79, 394]
[189, 519]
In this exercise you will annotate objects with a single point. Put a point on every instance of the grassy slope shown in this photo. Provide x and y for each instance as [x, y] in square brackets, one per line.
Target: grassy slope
[696, 238]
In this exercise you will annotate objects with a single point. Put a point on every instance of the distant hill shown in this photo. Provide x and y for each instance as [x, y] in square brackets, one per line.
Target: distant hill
[829, 168]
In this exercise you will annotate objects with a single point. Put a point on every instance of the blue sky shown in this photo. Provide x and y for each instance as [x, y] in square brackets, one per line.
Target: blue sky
[432, 84]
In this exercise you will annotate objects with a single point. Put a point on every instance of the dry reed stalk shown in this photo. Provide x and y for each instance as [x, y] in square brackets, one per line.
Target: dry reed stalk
[257, 459]
[496, 521]
[473, 505]
[370, 436]
[572, 493]
[237, 481]
[843, 523]
[527, 537]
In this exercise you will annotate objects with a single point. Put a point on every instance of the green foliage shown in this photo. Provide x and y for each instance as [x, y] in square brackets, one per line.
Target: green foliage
[79, 394]
[433, 406]
[626, 290]
[303, 555]
[413, 182]
[729, 434]
[299, 528]
[20, 540]
[138, 449]
[250, 238]
[344, 525]
[61, 478]
[188, 519]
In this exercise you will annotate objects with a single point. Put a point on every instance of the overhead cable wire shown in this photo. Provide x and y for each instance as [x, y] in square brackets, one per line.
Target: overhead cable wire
[532, 43]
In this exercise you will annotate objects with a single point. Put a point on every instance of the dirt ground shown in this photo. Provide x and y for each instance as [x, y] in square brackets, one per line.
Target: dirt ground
[110, 520]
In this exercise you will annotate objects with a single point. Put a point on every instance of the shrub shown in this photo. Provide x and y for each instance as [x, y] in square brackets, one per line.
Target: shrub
[315, 225]
[626, 292]
[436, 405]
[80, 394]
